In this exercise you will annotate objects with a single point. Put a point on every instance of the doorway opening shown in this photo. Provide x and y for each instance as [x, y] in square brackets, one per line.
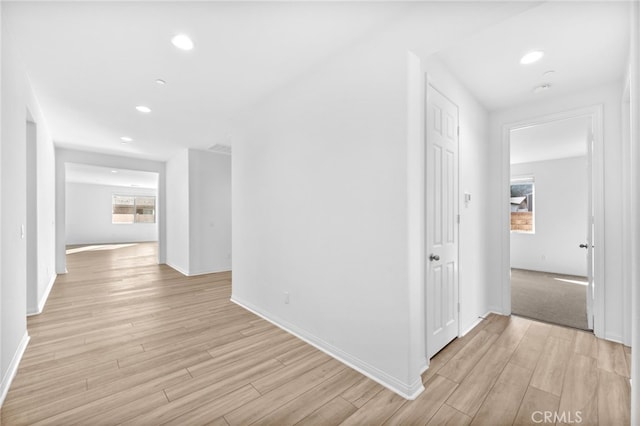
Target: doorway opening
[554, 188]
[31, 228]
[108, 208]
[549, 221]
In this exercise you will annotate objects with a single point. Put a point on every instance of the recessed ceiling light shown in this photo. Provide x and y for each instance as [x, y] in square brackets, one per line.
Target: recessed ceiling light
[114, 171]
[143, 108]
[182, 41]
[549, 73]
[542, 88]
[532, 57]
[161, 82]
[126, 139]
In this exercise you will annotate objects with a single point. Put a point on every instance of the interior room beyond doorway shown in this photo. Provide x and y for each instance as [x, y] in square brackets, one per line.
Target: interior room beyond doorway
[550, 207]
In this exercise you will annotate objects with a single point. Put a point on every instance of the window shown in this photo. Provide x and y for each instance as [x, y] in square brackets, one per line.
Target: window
[133, 209]
[145, 209]
[522, 205]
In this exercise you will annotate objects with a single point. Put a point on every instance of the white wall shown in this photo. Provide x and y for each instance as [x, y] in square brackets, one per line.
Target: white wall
[326, 186]
[46, 199]
[209, 212]
[64, 156]
[319, 205]
[88, 217]
[560, 209]
[17, 98]
[199, 212]
[628, 215]
[634, 205]
[177, 169]
[14, 206]
[4, 384]
[32, 214]
[474, 258]
[609, 96]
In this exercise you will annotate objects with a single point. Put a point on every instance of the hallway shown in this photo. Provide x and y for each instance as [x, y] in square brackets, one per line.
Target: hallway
[123, 340]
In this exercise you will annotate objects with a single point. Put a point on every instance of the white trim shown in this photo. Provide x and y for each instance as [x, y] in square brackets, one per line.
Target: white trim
[424, 367]
[45, 296]
[634, 232]
[194, 274]
[614, 338]
[627, 213]
[407, 391]
[212, 271]
[13, 367]
[182, 271]
[596, 114]
[415, 231]
[475, 323]
[479, 320]
[497, 310]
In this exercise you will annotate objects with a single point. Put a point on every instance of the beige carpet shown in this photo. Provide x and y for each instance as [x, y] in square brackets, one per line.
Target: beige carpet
[549, 297]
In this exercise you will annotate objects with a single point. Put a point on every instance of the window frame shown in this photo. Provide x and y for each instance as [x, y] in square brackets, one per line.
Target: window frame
[135, 215]
[524, 180]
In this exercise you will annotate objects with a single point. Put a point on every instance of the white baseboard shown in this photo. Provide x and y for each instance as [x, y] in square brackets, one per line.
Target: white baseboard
[212, 271]
[13, 368]
[182, 271]
[474, 324]
[614, 338]
[467, 329]
[195, 274]
[496, 310]
[405, 390]
[45, 296]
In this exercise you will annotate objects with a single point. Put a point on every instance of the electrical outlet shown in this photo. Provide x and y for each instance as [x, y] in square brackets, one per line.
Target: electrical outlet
[286, 297]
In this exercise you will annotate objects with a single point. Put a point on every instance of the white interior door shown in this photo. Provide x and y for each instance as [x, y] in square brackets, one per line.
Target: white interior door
[590, 234]
[442, 221]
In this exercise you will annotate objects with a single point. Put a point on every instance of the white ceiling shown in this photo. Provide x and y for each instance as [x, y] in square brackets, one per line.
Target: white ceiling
[91, 63]
[83, 173]
[550, 141]
[585, 43]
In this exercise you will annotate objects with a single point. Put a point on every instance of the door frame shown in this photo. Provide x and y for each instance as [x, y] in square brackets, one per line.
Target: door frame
[594, 112]
[430, 83]
[64, 156]
[31, 169]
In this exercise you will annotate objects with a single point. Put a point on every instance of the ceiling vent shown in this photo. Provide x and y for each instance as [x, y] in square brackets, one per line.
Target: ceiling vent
[220, 149]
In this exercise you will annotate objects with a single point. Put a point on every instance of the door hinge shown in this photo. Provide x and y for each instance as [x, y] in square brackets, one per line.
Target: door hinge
[458, 131]
[458, 307]
[458, 219]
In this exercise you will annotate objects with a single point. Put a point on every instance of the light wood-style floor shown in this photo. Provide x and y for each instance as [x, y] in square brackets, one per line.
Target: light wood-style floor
[125, 341]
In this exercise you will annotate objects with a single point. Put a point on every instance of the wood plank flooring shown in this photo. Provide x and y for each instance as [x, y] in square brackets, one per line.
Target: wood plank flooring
[125, 341]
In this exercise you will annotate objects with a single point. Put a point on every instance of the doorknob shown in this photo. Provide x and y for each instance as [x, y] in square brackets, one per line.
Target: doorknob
[433, 257]
[584, 246]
